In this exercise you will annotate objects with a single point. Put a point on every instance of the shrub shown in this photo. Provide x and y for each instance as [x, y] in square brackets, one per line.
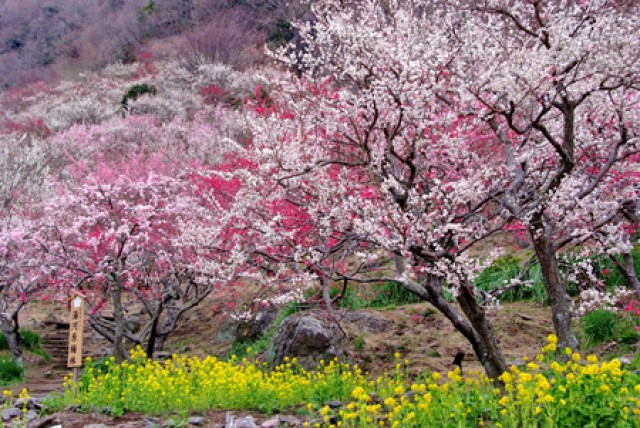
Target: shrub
[10, 370]
[603, 325]
[135, 92]
[384, 295]
[506, 268]
[31, 341]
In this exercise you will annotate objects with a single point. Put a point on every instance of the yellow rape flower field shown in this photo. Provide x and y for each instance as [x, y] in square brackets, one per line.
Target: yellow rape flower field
[557, 389]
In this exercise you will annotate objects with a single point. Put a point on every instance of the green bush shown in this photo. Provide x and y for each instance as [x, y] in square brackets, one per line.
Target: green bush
[384, 295]
[603, 325]
[10, 370]
[281, 34]
[610, 274]
[135, 92]
[505, 269]
[31, 341]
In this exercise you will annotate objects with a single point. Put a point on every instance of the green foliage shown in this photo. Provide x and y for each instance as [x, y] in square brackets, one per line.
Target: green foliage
[261, 344]
[135, 92]
[609, 272]
[578, 392]
[10, 370]
[603, 325]
[31, 341]
[147, 9]
[281, 34]
[506, 268]
[383, 295]
[358, 343]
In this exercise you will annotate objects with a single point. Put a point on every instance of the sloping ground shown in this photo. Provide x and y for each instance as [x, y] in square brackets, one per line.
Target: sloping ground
[419, 334]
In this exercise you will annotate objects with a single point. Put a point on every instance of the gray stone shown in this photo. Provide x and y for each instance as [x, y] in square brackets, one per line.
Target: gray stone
[290, 421]
[196, 420]
[245, 422]
[518, 362]
[31, 415]
[20, 403]
[624, 360]
[367, 322]
[271, 423]
[12, 413]
[333, 404]
[308, 336]
[152, 422]
[161, 355]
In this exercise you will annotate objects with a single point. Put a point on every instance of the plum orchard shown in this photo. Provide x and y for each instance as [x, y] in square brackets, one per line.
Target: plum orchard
[418, 131]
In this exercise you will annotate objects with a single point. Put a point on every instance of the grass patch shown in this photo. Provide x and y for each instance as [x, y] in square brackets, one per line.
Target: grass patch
[506, 268]
[31, 341]
[384, 295]
[10, 370]
[603, 325]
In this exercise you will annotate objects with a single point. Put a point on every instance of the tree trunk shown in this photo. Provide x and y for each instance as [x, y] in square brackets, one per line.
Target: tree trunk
[629, 273]
[10, 329]
[474, 325]
[118, 319]
[484, 341]
[556, 289]
[151, 343]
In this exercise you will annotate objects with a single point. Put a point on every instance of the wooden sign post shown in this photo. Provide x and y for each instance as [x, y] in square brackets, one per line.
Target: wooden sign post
[76, 334]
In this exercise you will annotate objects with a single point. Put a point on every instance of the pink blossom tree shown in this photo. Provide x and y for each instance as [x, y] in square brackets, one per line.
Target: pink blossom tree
[420, 147]
[114, 236]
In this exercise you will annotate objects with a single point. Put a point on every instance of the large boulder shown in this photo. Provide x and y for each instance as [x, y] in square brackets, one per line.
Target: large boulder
[311, 336]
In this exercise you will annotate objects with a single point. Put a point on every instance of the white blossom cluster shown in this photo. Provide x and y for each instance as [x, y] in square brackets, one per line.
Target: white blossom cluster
[592, 299]
[279, 301]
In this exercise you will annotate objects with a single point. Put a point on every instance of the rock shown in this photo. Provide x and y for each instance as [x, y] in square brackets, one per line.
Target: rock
[96, 426]
[152, 422]
[244, 422]
[333, 404]
[226, 332]
[290, 421]
[250, 329]
[161, 355]
[367, 322]
[133, 324]
[308, 336]
[624, 360]
[271, 423]
[518, 362]
[20, 403]
[12, 413]
[31, 416]
[36, 403]
[196, 420]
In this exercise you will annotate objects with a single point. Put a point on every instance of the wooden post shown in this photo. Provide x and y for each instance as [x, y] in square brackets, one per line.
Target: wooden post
[76, 334]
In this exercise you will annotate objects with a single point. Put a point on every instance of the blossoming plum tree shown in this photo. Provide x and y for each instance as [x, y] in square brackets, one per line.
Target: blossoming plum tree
[114, 237]
[418, 147]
